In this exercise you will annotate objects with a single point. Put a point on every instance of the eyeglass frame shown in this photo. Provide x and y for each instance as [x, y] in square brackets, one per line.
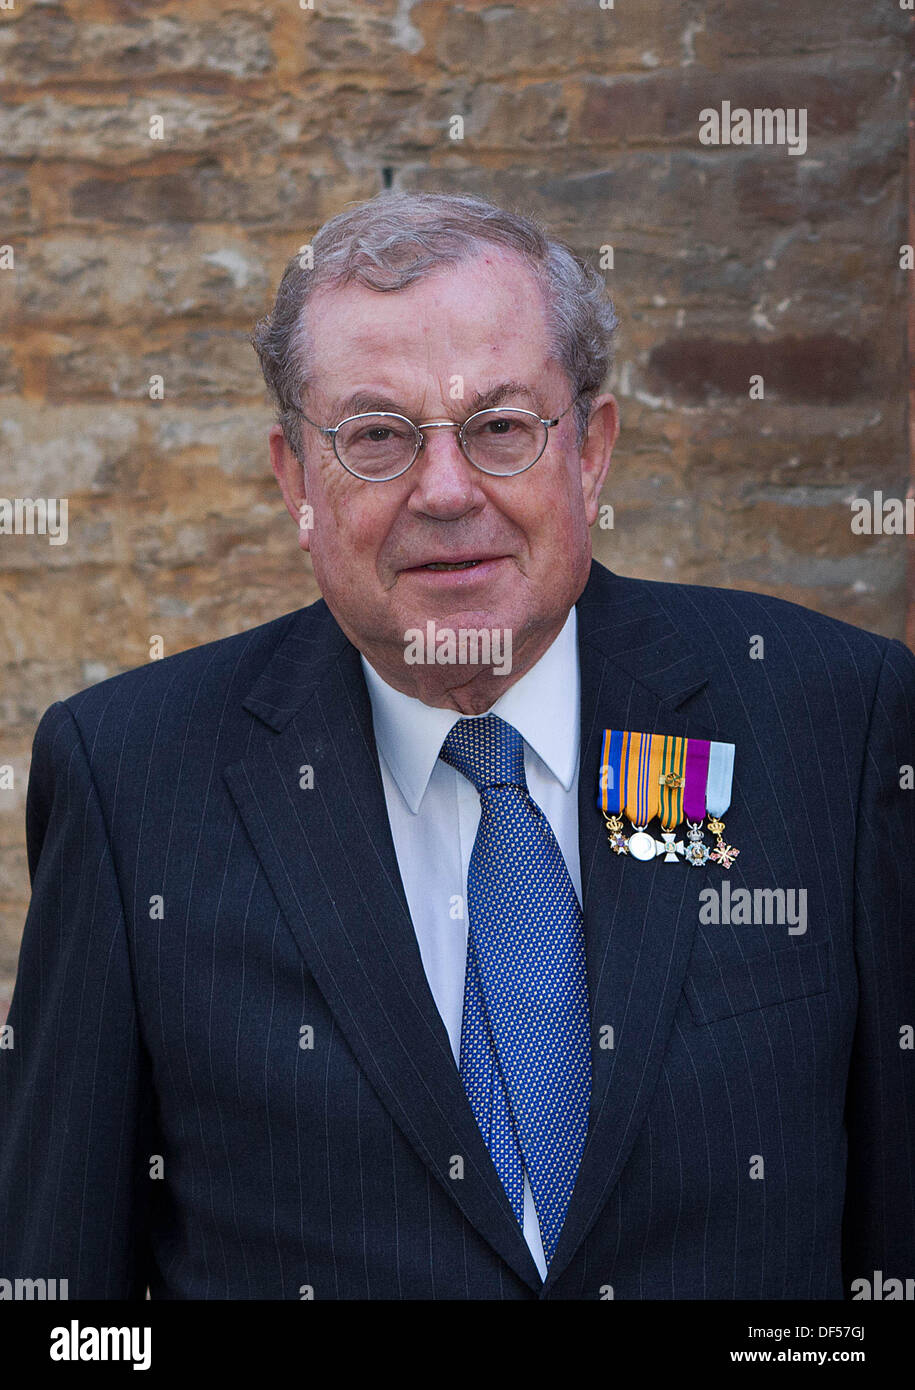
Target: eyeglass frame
[331, 431]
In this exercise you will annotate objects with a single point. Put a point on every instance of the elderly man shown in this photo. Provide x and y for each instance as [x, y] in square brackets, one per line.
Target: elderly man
[367, 956]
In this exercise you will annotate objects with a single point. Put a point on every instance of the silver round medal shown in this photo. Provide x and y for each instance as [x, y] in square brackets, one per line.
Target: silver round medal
[641, 845]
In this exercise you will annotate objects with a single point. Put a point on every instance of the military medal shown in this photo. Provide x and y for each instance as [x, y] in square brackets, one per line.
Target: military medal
[675, 779]
[697, 852]
[610, 790]
[616, 835]
[718, 799]
[641, 763]
[641, 844]
[671, 780]
[668, 847]
[697, 754]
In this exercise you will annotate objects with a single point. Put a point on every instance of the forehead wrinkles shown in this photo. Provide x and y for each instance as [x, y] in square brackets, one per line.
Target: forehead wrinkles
[465, 348]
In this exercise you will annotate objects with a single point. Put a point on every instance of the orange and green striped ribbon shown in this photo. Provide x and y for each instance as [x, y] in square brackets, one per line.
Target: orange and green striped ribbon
[672, 775]
[641, 773]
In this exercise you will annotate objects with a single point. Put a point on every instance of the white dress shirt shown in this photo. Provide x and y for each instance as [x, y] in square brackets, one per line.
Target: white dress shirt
[434, 812]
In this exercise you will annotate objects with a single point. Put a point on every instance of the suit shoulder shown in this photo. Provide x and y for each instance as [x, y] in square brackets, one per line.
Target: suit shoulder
[204, 676]
[745, 636]
[730, 618]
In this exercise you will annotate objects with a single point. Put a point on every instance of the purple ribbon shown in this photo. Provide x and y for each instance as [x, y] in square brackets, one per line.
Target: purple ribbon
[697, 756]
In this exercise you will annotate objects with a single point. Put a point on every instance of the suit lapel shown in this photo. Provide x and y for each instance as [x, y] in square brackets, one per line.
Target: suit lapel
[329, 858]
[636, 673]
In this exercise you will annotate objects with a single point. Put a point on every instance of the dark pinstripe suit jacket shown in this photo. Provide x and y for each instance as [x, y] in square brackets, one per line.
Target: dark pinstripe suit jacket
[288, 1168]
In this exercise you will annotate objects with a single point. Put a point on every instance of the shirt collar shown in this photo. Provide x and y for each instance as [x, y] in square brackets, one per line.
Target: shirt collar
[543, 706]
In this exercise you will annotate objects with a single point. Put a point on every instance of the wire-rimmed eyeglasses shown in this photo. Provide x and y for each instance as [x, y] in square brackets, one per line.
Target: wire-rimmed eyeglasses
[380, 445]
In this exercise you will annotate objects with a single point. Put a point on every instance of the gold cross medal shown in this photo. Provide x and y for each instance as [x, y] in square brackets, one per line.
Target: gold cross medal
[672, 779]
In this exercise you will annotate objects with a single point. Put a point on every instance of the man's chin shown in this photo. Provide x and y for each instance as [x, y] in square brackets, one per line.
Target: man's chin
[457, 619]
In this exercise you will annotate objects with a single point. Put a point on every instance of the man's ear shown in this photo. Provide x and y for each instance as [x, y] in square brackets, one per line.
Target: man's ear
[290, 474]
[603, 429]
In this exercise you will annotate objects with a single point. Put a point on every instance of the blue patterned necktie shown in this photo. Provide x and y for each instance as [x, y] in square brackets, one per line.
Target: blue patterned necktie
[525, 1056]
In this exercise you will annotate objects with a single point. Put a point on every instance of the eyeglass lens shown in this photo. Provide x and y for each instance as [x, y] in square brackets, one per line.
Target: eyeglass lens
[498, 441]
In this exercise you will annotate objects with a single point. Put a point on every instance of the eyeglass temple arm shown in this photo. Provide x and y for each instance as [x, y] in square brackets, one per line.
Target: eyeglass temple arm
[549, 423]
[323, 429]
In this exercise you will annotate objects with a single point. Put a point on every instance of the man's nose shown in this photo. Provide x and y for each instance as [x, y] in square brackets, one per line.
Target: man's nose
[446, 484]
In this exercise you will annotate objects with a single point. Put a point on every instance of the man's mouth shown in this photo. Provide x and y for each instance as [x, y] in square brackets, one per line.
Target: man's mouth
[451, 565]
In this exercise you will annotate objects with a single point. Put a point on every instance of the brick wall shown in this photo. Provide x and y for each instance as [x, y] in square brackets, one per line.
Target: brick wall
[136, 256]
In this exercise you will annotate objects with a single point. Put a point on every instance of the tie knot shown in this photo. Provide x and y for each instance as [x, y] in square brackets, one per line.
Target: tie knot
[487, 751]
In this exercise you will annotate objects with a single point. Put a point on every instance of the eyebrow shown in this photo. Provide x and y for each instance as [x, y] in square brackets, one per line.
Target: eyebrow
[363, 402]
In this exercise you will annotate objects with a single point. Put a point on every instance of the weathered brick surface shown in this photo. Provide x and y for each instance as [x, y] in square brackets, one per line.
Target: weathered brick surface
[137, 257]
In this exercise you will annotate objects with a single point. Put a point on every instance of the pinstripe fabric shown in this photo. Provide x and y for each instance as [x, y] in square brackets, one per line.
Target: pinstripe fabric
[346, 1160]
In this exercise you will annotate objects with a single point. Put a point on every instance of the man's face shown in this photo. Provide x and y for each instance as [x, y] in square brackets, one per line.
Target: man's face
[436, 351]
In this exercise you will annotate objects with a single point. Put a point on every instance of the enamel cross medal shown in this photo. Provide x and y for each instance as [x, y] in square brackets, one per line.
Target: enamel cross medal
[671, 781]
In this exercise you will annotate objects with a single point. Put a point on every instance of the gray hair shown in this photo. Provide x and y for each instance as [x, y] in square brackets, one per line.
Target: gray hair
[395, 238]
